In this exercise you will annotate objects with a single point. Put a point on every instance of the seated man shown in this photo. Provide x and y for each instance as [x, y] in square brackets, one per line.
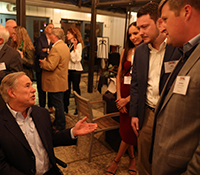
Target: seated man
[26, 136]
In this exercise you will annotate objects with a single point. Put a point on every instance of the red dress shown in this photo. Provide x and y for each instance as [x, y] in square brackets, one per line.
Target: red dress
[125, 130]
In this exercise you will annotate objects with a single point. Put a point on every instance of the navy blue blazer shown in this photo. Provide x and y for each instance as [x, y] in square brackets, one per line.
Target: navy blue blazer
[16, 156]
[140, 78]
[40, 44]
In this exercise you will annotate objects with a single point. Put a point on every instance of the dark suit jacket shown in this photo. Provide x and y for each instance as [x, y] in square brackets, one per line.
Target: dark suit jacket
[40, 44]
[12, 60]
[16, 156]
[140, 78]
[13, 63]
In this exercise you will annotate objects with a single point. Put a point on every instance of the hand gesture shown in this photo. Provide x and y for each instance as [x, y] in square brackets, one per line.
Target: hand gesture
[75, 42]
[44, 49]
[135, 125]
[121, 102]
[82, 128]
[123, 109]
[21, 53]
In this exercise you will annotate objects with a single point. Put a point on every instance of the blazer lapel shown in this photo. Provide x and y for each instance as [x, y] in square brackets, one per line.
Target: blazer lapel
[11, 124]
[144, 63]
[168, 54]
[3, 50]
[194, 57]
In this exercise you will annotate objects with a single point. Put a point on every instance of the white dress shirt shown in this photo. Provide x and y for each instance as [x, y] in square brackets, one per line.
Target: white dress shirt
[75, 58]
[155, 64]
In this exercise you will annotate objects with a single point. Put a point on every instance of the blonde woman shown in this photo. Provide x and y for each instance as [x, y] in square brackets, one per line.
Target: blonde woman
[23, 44]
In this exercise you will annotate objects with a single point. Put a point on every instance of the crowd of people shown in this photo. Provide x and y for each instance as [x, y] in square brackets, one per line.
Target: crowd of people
[158, 93]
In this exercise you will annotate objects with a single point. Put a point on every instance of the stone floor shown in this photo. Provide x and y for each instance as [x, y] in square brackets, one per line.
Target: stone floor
[76, 157]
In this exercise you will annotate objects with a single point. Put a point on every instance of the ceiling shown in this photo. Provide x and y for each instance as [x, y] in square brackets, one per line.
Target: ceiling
[119, 6]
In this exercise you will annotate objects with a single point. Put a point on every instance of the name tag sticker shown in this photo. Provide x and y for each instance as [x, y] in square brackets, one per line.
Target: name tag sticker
[2, 66]
[169, 66]
[127, 79]
[181, 85]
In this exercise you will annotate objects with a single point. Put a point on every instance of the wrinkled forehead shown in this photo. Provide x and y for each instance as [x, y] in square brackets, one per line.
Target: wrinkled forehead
[23, 80]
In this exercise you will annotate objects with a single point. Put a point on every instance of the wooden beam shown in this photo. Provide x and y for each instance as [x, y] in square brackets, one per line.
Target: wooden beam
[111, 3]
[79, 3]
[92, 45]
[86, 2]
[21, 13]
[125, 27]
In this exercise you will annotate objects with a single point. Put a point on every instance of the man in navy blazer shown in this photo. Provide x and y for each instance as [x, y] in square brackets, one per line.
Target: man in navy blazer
[27, 138]
[42, 49]
[153, 62]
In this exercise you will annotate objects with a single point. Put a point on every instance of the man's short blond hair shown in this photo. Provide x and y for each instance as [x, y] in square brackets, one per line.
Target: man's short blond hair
[8, 82]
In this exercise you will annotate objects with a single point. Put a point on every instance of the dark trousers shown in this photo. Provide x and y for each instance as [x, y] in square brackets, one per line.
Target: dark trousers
[41, 93]
[57, 102]
[74, 77]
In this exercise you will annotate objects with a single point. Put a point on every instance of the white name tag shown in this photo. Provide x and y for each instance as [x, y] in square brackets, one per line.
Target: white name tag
[127, 79]
[169, 66]
[181, 85]
[2, 66]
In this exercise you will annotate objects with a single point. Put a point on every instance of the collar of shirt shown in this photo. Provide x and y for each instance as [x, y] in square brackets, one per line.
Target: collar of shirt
[162, 46]
[56, 42]
[190, 44]
[15, 113]
[1, 46]
[187, 47]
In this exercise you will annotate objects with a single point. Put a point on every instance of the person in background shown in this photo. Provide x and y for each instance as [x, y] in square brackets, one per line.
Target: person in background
[123, 82]
[23, 44]
[9, 26]
[10, 59]
[55, 75]
[27, 138]
[153, 62]
[176, 148]
[42, 49]
[75, 66]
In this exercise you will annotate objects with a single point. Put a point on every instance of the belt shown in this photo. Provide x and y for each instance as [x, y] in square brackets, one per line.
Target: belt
[151, 108]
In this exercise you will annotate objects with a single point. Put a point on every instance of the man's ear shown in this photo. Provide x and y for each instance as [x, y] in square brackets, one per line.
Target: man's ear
[11, 92]
[187, 11]
[1, 41]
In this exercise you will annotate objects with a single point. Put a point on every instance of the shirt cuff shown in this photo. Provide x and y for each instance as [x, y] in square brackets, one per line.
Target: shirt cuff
[72, 135]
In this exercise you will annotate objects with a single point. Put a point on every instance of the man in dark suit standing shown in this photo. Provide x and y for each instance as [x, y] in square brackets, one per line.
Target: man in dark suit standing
[153, 62]
[27, 138]
[177, 117]
[10, 60]
[42, 49]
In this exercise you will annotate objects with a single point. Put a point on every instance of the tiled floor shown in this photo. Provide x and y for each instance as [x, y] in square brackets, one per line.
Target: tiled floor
[76, 157]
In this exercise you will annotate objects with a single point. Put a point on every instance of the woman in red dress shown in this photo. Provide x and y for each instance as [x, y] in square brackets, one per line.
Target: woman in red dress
[123, 98]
